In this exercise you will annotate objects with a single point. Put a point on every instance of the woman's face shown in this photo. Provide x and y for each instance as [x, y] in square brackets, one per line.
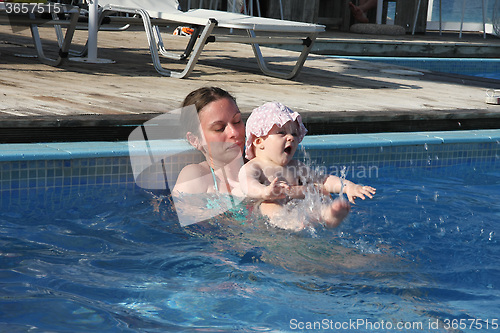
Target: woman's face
[223, 130]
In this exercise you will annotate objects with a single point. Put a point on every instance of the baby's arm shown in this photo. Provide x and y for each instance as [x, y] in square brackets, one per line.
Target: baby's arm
[252, 187]
[354, 191]
[333, 184]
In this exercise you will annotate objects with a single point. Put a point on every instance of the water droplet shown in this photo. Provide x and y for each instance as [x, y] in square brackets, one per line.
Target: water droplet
[342, 178]
[436, 196]
[426, 147]
[491, 236]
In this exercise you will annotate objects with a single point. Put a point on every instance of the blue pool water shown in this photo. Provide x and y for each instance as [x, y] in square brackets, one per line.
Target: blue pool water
[101, 255]
[487, 68]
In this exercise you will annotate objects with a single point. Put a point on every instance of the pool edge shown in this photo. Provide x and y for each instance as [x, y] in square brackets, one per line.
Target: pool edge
[75, 150]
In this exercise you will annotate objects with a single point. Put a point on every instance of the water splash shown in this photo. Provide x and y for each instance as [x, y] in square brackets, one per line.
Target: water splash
[306, 156]
[342, 178]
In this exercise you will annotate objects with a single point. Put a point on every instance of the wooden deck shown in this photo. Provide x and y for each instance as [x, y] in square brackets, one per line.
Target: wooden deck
[82, 101]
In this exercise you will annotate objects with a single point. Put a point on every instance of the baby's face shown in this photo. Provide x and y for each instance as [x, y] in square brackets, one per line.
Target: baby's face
[281, 143]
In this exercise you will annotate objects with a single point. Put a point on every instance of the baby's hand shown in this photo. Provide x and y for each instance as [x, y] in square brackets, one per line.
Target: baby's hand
[276, 190]
[354, 191]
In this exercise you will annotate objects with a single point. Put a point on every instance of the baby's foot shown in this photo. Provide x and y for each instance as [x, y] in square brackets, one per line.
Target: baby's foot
[332, 215]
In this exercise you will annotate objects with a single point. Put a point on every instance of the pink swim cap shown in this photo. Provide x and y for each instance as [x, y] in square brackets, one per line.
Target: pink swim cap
[264, 118]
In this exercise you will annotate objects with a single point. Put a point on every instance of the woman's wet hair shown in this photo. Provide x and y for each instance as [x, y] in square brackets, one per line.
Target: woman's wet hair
[199, 98]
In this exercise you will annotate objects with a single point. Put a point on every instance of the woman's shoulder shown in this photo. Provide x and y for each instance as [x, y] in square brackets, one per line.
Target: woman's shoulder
[196, 169]
[191, 179]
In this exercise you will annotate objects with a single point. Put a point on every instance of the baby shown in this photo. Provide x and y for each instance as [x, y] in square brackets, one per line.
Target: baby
[273, 133]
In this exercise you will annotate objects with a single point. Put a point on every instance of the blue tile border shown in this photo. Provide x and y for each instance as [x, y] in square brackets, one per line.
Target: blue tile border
[78, 150]
[38, 168]
[341, 141]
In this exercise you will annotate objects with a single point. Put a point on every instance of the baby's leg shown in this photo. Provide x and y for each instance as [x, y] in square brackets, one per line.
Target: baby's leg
[277, 215]
[333, 214]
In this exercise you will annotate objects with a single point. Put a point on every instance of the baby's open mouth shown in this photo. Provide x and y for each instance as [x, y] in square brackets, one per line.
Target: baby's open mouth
[288, 149]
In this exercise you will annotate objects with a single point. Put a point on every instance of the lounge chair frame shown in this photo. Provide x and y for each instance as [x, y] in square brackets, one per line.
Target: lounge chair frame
[203, 34]
[30, 19]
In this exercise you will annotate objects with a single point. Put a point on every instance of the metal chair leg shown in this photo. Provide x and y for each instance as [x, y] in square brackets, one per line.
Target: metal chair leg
[463, 14]
[416, 17]
[484, 20]
[440, 19]
[462, 20]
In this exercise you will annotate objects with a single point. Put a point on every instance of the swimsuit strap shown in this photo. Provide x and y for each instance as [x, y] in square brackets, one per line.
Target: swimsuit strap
[217, 187]
[215, 179]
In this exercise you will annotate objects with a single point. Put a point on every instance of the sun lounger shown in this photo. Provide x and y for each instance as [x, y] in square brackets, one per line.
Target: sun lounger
[271, 31]
[37, 14]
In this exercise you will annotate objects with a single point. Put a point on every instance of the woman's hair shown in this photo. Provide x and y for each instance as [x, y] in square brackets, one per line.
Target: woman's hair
[200, 98]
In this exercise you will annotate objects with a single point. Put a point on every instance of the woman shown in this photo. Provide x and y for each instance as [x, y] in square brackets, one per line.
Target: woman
[214, 127]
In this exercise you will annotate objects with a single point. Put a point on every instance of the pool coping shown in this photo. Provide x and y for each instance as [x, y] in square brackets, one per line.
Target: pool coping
[99, 149]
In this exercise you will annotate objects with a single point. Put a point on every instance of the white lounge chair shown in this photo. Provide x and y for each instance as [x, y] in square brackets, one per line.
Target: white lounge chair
[26, 14]
[273, 31]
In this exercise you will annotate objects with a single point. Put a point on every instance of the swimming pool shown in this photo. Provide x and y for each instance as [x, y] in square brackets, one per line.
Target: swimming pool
[487, 68]
[83, 249]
